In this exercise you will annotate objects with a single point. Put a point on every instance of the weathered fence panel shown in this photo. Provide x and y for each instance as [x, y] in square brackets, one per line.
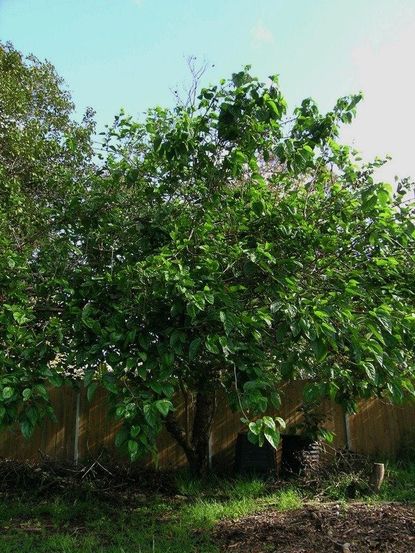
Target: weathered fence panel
[54, 439]
[382, 429]
[85, 430]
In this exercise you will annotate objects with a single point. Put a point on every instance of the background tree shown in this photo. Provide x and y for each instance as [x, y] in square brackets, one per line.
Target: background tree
[44, 155]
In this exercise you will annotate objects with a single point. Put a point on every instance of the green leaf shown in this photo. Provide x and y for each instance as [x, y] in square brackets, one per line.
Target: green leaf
[19, 316]
[163, 406]
[150, 415]
[26, 429]
[281, 331]
[255, 427]
[258, 209]
[272, 436]
[320, 314]
[110, 383]
[132, 448]
[308, 149]
[175, 337]
[281, 422]
[143, 356]
[135, 431]
[194, 348]
[269, 422]
[370, 372]
[328, 328]
[250, 269]
[41, 391]
[89, 375]
[121, 437]
[56, 380]
[8, 392]
[27, 394]
[211, 344]
[32, 414]
[320, 349]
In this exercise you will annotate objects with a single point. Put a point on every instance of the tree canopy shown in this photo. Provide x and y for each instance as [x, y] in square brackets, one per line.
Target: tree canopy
[44, 156]
[222, 246]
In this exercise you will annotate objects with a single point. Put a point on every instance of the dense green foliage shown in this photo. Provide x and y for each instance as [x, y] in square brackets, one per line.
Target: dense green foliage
[222, 246]
[44, 155]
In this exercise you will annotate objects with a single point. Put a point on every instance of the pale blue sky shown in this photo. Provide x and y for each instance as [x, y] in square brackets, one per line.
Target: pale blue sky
[130, 53]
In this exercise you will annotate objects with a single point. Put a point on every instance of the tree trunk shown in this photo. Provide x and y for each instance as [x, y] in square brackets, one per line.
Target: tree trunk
[196, 446]
[202, 426]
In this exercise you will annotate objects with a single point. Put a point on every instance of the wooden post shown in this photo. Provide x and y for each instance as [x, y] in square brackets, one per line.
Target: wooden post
[377, 476]
[76, 437]
[347, 436]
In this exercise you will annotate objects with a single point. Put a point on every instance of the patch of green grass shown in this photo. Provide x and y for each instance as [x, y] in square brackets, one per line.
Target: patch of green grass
[399, 484]
[159, 525]
[214, 486]
[286, 500]
[187, 484]
[205, 513]
[246, 487]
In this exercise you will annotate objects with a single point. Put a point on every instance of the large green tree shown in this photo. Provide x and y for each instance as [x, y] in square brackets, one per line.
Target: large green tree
[224, 246]
[229, 248]
[44, 156]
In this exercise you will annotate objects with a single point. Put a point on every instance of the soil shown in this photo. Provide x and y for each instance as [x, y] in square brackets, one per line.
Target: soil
[353, 528]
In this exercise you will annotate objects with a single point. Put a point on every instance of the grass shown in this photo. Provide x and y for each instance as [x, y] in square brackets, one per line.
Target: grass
[160, 524]
[180, 523]
[399, 483]
[190, 486]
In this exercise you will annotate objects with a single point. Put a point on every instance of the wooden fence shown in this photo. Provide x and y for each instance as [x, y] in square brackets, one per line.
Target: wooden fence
[84, 430]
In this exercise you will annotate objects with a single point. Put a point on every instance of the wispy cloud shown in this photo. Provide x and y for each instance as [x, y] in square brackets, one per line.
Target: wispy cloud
[138, 2]
[261, 34]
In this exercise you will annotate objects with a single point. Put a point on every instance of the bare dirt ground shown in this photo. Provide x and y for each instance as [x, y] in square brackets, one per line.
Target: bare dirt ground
[351, 528]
